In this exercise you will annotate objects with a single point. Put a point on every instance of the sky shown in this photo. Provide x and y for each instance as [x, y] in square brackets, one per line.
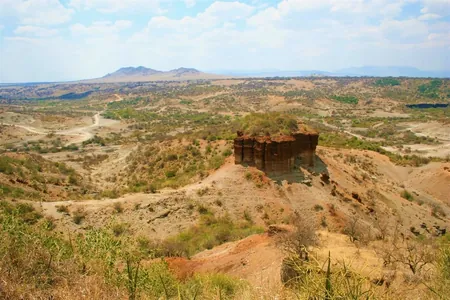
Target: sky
[58, 40]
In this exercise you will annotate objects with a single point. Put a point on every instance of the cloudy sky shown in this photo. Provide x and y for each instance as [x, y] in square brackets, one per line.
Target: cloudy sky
[53, 40]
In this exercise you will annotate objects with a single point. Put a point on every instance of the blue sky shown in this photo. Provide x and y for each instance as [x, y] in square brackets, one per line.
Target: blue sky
[54, 40]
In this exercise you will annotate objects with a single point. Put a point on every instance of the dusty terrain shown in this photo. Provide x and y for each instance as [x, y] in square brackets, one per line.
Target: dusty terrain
[156, 159]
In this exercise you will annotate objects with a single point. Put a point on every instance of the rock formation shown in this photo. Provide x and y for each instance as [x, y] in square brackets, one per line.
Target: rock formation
[277, 154]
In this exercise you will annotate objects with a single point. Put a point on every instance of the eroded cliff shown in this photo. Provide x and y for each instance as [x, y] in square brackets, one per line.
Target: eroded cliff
[277, 154]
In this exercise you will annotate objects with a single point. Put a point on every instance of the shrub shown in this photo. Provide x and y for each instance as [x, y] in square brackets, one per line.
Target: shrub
[118, 207]
[210, 232]
[62, 209]
[203, 210]
[113, 194]
[119, 228]
[437, 210]
[296, 243]
[407, 195]
[78, 216]
[248, 216]
[387, 82]
[170, 174]
[318, 207]
[346, 99]
[268, 123]
[227, 152]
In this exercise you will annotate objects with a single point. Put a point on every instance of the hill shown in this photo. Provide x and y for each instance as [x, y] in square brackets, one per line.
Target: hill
[134, 74]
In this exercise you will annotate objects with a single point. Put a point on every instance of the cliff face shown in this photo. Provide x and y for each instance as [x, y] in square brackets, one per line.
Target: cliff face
[275, 154]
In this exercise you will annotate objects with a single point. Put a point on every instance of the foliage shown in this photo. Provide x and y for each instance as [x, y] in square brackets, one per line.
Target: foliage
[337, 282]
[407, 195]
[211, 231]
[29, 176]
[441, 283]
[339, 140]
[268, 124]
[387, 82]
[414, 254]
[40, 262]
[431, 89]
[345, 99]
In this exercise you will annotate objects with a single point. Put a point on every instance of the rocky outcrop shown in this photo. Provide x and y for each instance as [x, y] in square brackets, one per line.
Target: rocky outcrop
[276, 154]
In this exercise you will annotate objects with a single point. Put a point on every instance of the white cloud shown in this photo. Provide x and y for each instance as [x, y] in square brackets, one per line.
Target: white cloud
[112, 6]
[439, 7]
[358, 8]
[293, 34]
[36, 12]
[29, 30]
[426, 17]
[104, 28]
[216, 14]
[406, 31]
[190, 3]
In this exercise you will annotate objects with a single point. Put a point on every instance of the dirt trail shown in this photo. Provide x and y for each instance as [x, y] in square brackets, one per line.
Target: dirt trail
[347, 132]
[224, 172]
[82, 133]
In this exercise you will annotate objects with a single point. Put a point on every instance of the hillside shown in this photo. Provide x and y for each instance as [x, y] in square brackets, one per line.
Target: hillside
[140, 184]
[30, 176]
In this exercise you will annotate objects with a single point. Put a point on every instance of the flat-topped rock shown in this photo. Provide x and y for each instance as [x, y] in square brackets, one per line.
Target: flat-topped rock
[276, 154]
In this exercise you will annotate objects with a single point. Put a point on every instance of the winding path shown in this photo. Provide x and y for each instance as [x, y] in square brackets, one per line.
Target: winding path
[83, 133]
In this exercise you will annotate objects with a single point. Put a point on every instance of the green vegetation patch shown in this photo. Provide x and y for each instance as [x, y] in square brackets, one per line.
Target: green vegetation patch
[431, 89]
[407, 195]
[210, 232]
[268, 124]
[29, 176]
[345, 99]
[38, 261]
[340, 140]
[387, 82]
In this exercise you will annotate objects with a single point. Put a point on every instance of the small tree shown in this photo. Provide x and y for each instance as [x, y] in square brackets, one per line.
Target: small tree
[296, 243]
[413, 254]
[352, 229]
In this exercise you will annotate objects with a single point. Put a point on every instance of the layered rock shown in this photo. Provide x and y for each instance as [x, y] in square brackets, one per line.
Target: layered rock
[276, 154]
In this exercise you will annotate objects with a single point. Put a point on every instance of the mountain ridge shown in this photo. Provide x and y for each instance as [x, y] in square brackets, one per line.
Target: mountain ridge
[369, 71]
[141, 73]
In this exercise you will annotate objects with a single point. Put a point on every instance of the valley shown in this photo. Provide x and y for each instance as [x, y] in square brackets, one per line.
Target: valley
[141, 177]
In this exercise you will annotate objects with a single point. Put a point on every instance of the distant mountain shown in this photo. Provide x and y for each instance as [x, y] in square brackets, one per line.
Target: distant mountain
[275, 73]
[135, 74]
[130, 71]
[184, 72]
[390, 71]
[354, 71]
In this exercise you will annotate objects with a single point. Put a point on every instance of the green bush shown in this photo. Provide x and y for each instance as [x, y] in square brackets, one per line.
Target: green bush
[268, 123]
[345, 99]
[210, 232]
[170, 174]
[387, 82]
[78, 216]
[407, 195]
[431, 89]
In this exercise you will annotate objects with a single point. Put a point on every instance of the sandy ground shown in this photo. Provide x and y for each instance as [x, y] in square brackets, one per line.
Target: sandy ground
[258, 260]
[387, 114]
[75, 135]
[169, 211]
[431, 129]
